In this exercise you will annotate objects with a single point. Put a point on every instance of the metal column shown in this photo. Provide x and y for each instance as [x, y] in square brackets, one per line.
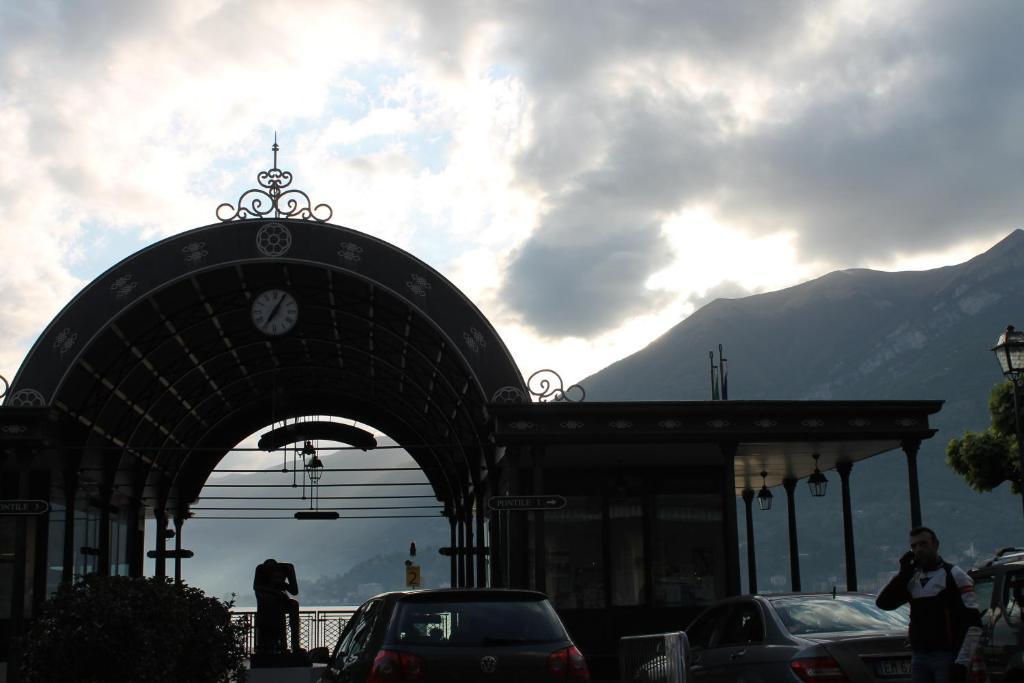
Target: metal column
[794, 550]
[748, 498]
[910, 447]
[844, 469]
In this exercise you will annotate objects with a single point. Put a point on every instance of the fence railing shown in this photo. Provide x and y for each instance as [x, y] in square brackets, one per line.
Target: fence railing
[654, 658]
[317, 627]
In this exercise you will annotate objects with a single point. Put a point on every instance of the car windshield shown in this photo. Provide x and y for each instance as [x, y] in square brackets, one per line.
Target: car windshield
[809, 614]
[476, 622]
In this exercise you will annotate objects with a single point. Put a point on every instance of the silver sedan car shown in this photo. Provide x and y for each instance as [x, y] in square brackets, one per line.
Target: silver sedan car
[799, 637]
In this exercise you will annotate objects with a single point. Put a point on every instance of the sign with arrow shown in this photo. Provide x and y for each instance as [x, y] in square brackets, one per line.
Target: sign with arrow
[526, 503]
[170, 554]
[23, 507]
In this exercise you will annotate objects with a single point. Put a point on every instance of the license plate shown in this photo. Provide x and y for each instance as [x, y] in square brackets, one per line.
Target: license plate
[893, 667]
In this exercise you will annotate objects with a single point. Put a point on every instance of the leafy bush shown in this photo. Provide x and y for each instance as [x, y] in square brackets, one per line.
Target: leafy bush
[987, 459]
[115, 628]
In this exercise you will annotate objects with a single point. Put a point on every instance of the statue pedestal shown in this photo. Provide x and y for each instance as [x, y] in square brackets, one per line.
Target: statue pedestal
[283, 668]
[286, 674]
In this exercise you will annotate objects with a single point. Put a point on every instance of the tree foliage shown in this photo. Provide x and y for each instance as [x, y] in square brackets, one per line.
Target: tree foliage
[987, 459]
[115, 628]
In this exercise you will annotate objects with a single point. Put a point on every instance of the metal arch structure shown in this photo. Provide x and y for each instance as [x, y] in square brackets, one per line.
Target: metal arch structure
[157, 369]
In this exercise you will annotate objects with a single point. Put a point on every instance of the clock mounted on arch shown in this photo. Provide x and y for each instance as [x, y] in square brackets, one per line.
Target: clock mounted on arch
[275, 312]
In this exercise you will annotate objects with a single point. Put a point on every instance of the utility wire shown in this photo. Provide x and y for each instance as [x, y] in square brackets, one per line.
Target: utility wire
[256, 497]
[257, 449]
[284, 471]
[340, 517]
[383, 507]
[397, 483]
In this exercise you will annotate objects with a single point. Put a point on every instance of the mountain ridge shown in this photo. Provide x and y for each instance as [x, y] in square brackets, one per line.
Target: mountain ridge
[857, 334]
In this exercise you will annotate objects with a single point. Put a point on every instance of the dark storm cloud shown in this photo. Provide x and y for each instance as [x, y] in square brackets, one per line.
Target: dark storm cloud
[602, 236]
[898, 134]
[928, 164]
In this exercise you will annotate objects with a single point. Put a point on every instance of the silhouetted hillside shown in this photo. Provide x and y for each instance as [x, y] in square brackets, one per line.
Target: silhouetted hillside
[857, 334]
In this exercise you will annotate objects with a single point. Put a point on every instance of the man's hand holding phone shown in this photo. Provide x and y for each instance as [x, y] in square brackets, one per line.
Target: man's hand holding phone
[907, 562]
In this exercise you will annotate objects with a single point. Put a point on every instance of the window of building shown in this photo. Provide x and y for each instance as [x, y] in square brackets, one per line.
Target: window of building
[688, 562]
[626, 535]
[87, 535]
[574, 545]
[55, 540]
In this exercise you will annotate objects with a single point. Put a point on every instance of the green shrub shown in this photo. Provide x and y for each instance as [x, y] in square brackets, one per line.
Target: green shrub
[115, 628]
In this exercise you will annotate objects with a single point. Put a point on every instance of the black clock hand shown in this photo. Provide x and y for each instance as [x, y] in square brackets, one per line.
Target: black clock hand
[273, 311]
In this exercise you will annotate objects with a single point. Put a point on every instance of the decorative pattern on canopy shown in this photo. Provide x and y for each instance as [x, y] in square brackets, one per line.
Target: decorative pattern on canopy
[167, 361]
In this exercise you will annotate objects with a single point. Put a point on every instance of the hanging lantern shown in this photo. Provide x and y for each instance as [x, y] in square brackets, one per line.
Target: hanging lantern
[314, 469]
[817, 482]
[764, 496]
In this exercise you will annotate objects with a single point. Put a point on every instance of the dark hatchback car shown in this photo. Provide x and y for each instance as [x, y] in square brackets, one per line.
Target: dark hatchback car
[799, 637]
[456, 636]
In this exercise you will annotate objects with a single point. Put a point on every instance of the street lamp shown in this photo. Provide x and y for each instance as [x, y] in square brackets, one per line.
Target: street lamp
[1009, 350]
[764, 496]
[817, 482]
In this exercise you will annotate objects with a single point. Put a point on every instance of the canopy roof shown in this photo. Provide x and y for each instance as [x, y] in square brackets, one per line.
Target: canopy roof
[161, 369]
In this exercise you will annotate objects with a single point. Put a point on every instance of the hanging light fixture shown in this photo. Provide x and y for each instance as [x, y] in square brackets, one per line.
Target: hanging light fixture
[817, 482]
[764, 496]
[314, 470]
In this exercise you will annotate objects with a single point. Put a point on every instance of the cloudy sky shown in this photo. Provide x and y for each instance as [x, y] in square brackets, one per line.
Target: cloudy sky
[587, 171]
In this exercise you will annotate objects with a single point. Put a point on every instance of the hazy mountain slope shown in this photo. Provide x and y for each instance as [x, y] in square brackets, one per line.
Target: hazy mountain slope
[227, 551]
[857, 334]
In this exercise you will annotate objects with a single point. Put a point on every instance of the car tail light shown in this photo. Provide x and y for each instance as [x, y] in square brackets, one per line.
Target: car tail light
[390, 666]
[568, 664]
[818, 670]
[976, 672]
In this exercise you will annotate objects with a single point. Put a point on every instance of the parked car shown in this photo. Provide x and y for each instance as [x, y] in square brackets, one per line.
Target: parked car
[999, 585]
[799, 637]
[456, 636]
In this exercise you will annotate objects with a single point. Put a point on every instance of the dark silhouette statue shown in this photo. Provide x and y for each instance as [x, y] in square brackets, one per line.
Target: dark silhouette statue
[272, 583]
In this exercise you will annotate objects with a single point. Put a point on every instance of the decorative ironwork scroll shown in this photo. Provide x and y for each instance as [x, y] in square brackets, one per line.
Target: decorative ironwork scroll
[274, 200]
[6, 386]
[547, 386]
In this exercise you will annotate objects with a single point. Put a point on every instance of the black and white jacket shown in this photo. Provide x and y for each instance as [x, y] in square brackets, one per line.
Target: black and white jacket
[943, 608]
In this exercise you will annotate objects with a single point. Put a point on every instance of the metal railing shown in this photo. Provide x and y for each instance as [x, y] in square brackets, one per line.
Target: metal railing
[317, 627]
[654, 658]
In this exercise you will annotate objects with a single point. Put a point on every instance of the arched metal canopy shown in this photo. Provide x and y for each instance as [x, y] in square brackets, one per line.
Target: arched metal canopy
[160, 368]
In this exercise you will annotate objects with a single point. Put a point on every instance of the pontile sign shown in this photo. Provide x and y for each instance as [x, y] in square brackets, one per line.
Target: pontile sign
[526, 503]
[23, 507]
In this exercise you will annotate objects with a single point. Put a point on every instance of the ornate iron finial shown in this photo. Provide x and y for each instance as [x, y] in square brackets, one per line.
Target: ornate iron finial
[272, 202]
[542, 384]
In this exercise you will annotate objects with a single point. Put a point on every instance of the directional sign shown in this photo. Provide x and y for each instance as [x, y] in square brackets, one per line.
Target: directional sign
[23, 507]
[170, 554]
[316, 514]
[412, 575]
[524, 503]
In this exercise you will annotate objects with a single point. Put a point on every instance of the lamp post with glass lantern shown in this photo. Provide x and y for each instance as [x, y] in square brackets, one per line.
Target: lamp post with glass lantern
[1009, 350]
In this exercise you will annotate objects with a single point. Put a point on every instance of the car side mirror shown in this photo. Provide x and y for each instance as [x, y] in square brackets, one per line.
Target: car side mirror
[320, 655]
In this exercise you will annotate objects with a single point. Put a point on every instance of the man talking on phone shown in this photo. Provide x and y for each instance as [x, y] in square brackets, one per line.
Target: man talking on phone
[944, 621]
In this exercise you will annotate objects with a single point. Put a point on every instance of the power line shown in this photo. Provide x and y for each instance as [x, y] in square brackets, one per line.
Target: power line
[330, 469]
[284, 471]
[300, 508]
[340, 517]
[256, 497]
[397, 483]
[257, 449]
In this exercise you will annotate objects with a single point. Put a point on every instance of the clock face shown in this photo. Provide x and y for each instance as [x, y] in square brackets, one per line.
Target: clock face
[274, 312]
